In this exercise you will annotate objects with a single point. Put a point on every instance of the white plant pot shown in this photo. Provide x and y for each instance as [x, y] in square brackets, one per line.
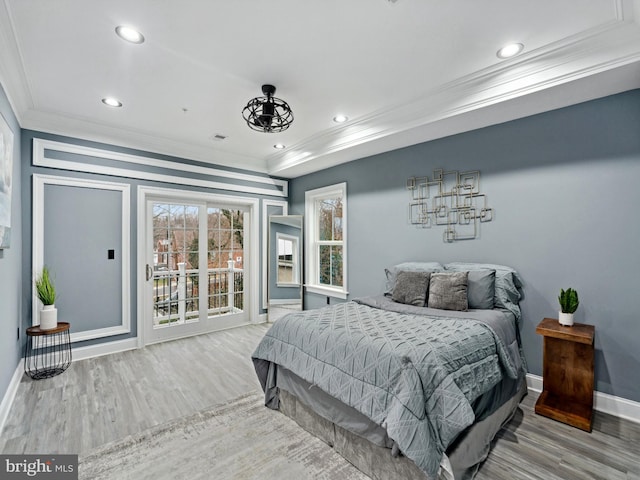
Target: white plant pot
[48, 317]
[565, 319]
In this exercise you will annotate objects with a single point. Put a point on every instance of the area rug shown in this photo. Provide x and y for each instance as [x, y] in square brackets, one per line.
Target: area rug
[241, 440]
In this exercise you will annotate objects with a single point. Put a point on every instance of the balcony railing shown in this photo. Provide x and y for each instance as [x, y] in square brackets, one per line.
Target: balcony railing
[176, 293]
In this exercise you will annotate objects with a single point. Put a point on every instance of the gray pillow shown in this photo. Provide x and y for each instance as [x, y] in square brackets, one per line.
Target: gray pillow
[411, 288]
[508, 284]
[448, 291]
[481, 289]
[392, 272]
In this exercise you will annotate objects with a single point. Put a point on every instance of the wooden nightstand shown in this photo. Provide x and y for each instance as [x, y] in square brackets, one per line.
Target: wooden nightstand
[567, 394]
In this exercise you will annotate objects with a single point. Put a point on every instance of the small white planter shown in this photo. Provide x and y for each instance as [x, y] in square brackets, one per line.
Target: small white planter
[48, 317]
[565, 319]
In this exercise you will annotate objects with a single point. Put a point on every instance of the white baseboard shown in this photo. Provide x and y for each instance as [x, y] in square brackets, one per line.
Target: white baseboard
[534, 383]
[285, 301]
[91, 351]
[602, 402]
[262, 318]
[10, 394]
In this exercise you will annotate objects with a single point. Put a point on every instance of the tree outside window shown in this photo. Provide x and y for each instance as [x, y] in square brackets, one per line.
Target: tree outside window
[326, 210]
[330, 241]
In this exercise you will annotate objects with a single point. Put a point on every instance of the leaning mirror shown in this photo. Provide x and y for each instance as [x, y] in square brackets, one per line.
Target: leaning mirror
[284, 288]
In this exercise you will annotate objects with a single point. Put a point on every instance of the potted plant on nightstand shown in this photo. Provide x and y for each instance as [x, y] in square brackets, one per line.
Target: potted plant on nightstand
[568, 305]
[46, 292]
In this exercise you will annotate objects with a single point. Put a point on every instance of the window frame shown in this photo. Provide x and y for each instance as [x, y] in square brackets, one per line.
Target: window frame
[312, 241]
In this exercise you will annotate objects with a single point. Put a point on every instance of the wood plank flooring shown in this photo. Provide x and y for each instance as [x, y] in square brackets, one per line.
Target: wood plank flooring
[104, 399]
[533, 447]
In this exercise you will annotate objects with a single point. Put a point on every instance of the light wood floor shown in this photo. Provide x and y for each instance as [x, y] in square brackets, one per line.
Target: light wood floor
[533, 447]
[104, 399]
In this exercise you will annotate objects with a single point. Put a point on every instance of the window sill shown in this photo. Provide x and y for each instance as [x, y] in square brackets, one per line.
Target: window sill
[288, 285]
[328, 291]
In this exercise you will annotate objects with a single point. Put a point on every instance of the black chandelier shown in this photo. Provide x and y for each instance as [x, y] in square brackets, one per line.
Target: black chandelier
[268, 114]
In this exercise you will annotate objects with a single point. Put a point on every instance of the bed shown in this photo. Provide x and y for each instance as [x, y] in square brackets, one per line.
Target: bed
[397, 384]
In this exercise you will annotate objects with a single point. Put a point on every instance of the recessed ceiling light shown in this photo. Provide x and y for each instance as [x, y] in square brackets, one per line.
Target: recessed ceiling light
[112, 102]
[510, 50]
[129, 34]
[340, 118]
[279, 146]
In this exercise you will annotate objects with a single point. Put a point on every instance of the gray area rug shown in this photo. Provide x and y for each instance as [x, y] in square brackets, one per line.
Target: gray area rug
[242, 440]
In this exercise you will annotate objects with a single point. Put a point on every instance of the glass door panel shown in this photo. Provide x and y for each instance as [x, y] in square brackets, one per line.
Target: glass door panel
[175, 264]
[226, 261]
[197, 270]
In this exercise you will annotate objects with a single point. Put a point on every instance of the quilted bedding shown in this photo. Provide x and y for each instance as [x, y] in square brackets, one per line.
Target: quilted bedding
[415, 375]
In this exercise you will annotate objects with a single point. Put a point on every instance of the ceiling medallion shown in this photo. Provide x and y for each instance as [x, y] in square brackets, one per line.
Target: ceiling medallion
[268, 114]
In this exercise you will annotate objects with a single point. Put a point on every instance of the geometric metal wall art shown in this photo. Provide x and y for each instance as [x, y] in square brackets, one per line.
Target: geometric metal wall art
[449, 199]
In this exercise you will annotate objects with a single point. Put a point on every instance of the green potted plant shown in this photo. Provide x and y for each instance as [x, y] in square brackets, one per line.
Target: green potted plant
[46, 291]
[568, 305]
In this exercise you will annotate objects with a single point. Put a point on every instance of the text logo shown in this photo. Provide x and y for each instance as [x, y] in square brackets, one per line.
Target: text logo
[49, 467]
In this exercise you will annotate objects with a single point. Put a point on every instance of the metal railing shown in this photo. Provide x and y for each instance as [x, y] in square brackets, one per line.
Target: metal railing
[176, 293]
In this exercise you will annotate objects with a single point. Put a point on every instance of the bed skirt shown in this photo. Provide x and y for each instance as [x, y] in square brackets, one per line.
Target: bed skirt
[460, 463]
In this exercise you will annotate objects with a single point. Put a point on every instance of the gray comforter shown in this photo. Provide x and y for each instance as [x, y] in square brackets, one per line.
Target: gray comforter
[416, 375]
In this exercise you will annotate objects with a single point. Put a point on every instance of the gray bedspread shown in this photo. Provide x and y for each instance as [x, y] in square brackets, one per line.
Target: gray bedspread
[414, 374]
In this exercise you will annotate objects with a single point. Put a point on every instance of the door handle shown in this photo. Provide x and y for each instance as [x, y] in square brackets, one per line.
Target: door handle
[149, 272]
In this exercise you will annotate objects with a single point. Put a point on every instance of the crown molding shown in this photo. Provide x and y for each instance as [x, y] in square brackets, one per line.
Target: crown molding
[609, 46]
[81, 128]
[581, 90]
[12, 72]
[18, 91]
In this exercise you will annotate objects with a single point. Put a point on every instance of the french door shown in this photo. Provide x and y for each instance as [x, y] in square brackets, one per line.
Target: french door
[196, 267]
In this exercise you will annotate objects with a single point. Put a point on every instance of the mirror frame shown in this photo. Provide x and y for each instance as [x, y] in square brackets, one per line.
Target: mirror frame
[285, 303]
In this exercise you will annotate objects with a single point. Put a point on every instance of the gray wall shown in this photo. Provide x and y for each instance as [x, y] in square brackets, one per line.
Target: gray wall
[76, 240]
[564, 186]
[108, 221]
[11, 264]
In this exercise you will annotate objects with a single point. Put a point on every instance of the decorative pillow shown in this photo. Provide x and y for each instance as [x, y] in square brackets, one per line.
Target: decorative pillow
[448, 291]
[508, 285]
[481, 289]
[392, 272]
[411, 288]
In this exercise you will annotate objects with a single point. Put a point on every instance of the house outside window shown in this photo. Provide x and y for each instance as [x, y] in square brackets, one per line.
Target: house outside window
[326, 233]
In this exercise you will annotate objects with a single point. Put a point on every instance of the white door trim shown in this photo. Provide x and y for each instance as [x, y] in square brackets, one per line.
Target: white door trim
[39, 182]
[252, 251]
[265, 242]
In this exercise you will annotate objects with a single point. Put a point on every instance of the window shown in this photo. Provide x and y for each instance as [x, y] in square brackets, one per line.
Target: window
[288, 262]
[326, 212]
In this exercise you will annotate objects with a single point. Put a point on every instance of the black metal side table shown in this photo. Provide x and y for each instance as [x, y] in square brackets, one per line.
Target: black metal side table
[48, 352]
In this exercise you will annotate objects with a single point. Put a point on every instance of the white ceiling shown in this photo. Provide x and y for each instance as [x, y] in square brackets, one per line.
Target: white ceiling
[404, 72]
